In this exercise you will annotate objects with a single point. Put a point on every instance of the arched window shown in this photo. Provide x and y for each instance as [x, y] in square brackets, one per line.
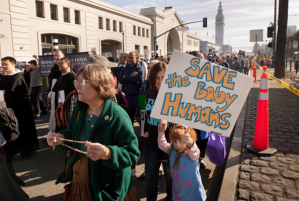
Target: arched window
[68, 44]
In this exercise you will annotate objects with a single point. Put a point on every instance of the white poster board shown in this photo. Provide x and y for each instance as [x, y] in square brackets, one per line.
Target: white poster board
[201, 94]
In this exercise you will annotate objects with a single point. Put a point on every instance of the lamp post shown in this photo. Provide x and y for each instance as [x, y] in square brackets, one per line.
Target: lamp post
[155, 37]
[123, 33]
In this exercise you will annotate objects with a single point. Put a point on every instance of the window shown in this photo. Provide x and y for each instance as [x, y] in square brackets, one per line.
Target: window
[195, 43]
[77, 17]
[147, 33]
[143, 32]
[114, 26]
[39, 9]
[53, 9]
[189, 42]
[108, 24]
[134, 30]
[100, 23]
[120, 27]
[66, 15]
[139, 34]
[137, 49]
[145, 50]
[67, 44]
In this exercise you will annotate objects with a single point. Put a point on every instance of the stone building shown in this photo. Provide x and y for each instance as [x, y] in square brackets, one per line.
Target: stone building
[28, 27]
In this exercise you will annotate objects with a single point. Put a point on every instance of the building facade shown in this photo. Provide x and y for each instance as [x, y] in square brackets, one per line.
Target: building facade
[28, 27]
[205, 46]
[164, 20]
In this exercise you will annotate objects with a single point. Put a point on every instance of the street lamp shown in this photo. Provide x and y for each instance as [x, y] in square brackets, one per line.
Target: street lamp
[155, 37]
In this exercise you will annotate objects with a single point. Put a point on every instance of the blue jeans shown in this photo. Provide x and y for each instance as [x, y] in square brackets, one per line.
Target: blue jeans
[153, 159]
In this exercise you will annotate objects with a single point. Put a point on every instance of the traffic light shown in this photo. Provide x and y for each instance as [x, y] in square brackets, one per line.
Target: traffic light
[205, 22]
[270, 32]
[157, 47]
[270, 44]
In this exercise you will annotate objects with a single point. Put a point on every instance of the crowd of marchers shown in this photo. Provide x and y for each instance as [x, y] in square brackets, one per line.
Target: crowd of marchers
[92, 114]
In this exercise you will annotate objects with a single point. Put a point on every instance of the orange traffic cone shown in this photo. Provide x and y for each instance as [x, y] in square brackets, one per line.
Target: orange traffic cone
[254, 73]
[265, 68]
[261, 136]
[266, 63]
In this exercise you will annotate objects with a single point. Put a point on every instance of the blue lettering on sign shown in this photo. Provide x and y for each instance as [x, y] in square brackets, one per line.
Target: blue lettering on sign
[148, 110]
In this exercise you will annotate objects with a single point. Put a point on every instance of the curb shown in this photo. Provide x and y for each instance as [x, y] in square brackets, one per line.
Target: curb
[229, 182]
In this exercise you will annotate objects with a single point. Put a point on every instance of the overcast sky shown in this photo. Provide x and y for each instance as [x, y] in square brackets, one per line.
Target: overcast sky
[240, 16]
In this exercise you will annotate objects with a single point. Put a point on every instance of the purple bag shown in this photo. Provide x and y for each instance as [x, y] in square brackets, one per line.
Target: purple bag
[216, 148]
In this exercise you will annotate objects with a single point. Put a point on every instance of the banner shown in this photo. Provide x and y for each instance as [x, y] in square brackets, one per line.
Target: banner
[21, 64]
[201, 94]
[46, 63]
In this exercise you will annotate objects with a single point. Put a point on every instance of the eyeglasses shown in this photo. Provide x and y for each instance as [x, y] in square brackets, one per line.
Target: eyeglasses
[81, 82]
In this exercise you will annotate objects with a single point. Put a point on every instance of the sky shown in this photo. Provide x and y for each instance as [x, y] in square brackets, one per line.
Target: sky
[240, 17]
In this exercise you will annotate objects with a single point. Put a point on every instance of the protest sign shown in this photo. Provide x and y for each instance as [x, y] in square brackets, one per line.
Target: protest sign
[46, 63]
[201, 94]
[20, 64]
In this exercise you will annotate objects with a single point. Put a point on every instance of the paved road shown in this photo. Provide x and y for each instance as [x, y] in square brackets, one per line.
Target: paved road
[41, 169]
[275, 177]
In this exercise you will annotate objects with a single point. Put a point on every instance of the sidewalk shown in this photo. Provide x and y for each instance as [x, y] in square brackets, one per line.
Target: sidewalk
[276, 177]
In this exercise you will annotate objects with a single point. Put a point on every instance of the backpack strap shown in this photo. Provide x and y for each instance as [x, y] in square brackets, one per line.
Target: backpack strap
[58, 115]
[126, 102]
[65, 116]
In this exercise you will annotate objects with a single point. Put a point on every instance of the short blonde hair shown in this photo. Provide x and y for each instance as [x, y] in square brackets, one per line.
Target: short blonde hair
[101, 79]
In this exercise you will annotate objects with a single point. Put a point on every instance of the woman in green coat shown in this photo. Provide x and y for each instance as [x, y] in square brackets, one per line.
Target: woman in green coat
[100, 167]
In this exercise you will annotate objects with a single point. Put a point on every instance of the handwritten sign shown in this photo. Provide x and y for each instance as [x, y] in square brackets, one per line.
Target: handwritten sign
[201, 94]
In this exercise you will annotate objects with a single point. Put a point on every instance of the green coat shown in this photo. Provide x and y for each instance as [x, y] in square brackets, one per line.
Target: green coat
[109, 179]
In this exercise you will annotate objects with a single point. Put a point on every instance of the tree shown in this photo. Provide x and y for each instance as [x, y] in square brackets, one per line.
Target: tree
[281, 38]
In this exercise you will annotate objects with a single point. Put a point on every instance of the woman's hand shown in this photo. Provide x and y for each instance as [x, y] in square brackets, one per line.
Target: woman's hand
[186, 139]
[97, 151]
[52, 138]
[162, 126]
[146, 134]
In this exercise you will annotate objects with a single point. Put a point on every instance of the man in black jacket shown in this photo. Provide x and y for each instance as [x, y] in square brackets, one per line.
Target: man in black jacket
[53, 76]
[235, 65]
[223, 62]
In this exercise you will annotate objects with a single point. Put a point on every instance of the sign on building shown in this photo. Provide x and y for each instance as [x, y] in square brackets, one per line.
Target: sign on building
[201, 94]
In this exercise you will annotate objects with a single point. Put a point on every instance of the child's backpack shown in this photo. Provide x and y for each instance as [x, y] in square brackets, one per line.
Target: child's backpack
[64, 110]
[120, 99]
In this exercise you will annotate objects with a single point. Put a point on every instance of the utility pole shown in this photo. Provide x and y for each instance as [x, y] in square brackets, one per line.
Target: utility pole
[274, 38]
